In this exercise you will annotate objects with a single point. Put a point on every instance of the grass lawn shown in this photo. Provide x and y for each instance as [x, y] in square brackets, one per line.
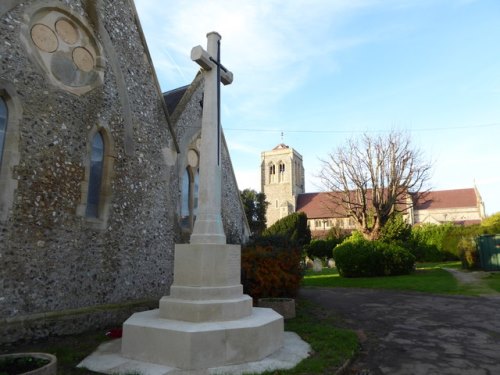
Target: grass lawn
[493, 281]
[331, 346]
[428, 278]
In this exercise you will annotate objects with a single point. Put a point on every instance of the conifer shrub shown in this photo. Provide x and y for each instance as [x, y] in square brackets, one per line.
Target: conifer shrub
[358, 257]
[293, 227]
[271, 270]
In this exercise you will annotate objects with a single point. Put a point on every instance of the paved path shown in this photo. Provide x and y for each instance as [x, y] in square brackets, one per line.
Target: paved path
[415, 333]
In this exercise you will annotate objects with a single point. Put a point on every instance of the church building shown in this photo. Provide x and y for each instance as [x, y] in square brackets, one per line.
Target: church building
[282, 181]
[98, 168]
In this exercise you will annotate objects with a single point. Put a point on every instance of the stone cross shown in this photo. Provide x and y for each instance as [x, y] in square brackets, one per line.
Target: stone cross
[208, 228]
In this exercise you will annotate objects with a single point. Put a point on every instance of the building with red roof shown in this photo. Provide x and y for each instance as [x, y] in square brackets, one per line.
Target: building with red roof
[285, 195]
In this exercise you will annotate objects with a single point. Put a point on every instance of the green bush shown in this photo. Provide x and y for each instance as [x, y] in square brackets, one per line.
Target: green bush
[469, 255]
[321, 248]
[357, 257]
[293, 227]
[396, 230]
[424, 252]
[397, 260]
[491, 225]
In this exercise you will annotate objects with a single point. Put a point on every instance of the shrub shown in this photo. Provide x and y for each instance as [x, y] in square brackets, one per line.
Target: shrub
[357, 257]
[468, 253]
[397, 260]
[491, 225]
[271, 271]
[396, 230]
[293, 227]
[321, 248]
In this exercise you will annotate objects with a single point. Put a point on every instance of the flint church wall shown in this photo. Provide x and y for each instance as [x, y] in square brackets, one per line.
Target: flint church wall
[70, 70]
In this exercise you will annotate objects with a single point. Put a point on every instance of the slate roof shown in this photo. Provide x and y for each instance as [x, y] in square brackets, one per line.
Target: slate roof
[441, 199]
[173, 97]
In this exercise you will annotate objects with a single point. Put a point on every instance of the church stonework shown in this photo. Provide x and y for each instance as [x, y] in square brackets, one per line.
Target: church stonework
[282, 180]
[90, 171]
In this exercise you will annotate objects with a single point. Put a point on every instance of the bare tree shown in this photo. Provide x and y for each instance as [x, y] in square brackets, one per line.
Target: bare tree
[372, 177]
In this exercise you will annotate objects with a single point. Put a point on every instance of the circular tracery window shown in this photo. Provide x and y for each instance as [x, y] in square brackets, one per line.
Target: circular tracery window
[66, 49]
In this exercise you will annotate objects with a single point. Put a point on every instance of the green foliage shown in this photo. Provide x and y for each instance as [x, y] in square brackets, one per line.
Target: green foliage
[468, 253]
[271, 271]
[434, 243]
[357, 257]
[293, 227]
[255, 206]
[321, 248]
[396, 230]
[491, 225]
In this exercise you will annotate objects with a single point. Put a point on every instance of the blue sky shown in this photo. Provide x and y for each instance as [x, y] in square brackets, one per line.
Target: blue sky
[324, 71]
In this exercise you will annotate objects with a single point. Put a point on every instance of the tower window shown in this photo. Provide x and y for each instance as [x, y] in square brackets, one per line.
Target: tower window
[282, 168]
[272, 172]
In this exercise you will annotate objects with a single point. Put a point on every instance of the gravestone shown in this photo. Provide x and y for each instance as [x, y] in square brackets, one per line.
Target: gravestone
[317, 265]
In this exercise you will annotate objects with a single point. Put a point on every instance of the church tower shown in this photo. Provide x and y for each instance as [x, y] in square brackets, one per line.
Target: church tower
[282, 180]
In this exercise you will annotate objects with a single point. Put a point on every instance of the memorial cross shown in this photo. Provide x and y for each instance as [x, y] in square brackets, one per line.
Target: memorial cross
[208, 227]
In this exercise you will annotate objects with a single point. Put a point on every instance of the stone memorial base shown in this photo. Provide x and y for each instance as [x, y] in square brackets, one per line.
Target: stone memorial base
[192, 346]
[206, 321]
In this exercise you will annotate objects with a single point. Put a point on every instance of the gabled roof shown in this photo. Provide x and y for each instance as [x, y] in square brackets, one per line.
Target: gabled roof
[440, 199]
[319, 205]
[173, 97]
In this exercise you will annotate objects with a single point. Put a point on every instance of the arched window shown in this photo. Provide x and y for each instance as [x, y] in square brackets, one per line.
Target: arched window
[3, 126]
[95, 176]
[272, 172]
[189, 198]
[281, 175]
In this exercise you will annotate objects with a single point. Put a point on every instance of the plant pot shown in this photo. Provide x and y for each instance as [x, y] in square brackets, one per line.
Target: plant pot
[49, 368]
[283, 306]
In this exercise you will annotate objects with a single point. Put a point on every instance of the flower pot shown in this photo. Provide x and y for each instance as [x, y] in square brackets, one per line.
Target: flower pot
[283, 306]
[49, 368]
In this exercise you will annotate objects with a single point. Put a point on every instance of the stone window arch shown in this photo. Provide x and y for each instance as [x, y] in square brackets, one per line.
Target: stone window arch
[189, 191]
[281, 169]
[272, 172]
[10, 115]
[96, 187]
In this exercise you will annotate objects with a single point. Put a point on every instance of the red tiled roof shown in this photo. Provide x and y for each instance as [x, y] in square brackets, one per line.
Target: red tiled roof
[457, 198]
[319, 205]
